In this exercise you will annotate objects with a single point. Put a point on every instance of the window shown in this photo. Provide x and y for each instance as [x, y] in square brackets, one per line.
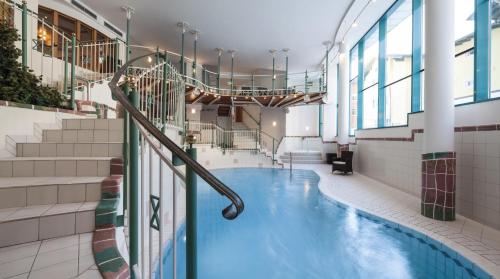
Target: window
[398, 64]
[370, 58]
[370, 107]
[398, 102]
[353, 105]
[6, 12]
[353, 90]
[370, 79]
[399, 43]
[464, 51]
[495, 46]
[85, 33]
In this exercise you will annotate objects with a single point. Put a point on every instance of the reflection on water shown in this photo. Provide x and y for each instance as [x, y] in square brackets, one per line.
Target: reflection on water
[289, 230]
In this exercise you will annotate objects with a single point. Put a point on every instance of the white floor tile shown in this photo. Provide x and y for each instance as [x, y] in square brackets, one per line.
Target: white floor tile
[17, 252]
[47, 259]
[16, 267]
[61, 270]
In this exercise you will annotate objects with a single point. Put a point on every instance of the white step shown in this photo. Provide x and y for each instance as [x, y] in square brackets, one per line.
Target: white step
[82, 135]
[32, 223]
[303, 161]
[29, 191]
[69, 149]
[54, 166]
[89, 124]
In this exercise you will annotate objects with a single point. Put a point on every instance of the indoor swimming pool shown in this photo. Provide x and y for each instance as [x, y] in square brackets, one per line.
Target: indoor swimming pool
[290, 230]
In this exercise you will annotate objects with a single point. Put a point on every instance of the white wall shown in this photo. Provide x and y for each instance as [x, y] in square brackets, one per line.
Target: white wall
[398, 163]
[301, 117]
[196, 108]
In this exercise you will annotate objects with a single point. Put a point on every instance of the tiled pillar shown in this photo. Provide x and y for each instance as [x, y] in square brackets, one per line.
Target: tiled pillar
[438, 160]
[438, 185]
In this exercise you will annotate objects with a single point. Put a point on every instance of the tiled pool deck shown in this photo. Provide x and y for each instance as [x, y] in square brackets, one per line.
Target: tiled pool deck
[63, 257]
[478, 243]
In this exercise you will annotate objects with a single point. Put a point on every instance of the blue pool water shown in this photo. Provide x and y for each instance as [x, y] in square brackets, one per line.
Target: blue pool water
[290, 230]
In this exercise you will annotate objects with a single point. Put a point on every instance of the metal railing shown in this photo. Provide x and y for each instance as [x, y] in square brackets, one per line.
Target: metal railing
[58, 58]
[209, 133]
[148, 164]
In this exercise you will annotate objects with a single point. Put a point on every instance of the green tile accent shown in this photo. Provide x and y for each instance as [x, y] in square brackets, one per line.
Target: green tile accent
[112, 266]
[106, 255]
[438, 212]
[438, 155]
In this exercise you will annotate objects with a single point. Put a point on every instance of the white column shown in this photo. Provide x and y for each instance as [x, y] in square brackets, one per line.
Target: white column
[343, 109]
[439, 76]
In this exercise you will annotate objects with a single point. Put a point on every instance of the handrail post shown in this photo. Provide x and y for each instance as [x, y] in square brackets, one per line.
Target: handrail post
[273, 152]
[65, 81]
[256, 141]
[73, 74]
[134, 182]
[116, 54]
[213, 134]
[191, 206]
[24, 35]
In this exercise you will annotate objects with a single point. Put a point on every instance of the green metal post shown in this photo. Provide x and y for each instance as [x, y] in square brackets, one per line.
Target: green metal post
[286, 74]
[320, 118]
[126, 153]
[195, 33]
[73, 62]
[253, 85]
[273, 152]
[191, 229]
[24, 35]
[134, 183]
[274, 73]
[232, 72]
[325, 79]
[65, 81]
[183, 26]
[218, 69]
[117, 52]
[305, 84]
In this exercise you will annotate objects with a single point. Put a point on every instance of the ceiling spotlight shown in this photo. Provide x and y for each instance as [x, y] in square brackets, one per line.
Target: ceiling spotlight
[150, 60]
[193, 111]
[355, 24]
[274, 123]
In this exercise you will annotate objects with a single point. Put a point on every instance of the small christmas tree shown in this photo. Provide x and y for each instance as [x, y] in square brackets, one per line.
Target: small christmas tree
[18, 84]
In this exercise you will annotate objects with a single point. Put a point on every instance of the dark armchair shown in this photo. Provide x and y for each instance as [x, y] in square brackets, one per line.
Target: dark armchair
[344, 163]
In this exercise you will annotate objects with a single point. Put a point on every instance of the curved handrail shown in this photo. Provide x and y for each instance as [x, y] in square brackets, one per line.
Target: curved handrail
[230, 212]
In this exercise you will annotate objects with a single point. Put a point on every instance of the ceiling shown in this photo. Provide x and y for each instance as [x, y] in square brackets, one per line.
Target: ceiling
[250, 27]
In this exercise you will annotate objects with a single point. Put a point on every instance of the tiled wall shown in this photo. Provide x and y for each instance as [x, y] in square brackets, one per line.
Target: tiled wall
[398, 163]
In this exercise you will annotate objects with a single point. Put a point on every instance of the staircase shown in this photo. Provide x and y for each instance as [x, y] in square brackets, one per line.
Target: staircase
[52, 186]
[243, 137]
[302, 157]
